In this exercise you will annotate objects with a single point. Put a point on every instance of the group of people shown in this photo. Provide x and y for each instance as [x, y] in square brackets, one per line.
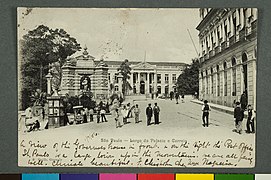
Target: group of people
[239, 110]
[127, 112]
[177, 96]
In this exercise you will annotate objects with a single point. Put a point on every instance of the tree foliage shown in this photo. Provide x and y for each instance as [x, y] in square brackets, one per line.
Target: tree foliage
[188, 81]
[39, 48]
[125, 71]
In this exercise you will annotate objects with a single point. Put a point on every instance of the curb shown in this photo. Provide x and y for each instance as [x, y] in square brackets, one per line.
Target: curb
[231, 112]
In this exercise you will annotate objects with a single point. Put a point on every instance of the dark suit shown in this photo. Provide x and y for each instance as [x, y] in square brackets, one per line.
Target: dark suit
[149, 115]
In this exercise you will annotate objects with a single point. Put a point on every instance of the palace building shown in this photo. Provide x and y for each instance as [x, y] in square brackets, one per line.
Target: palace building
[102, 77]
[228, 55]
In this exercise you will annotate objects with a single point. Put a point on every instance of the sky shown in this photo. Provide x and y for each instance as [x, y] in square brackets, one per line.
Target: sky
[157, 35]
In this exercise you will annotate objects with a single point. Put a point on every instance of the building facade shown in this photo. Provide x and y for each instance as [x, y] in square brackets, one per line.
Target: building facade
[84, 73]
[228, 54]
[148, 77]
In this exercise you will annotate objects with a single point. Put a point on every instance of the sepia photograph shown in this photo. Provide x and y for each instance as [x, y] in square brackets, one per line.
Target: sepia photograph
[137, 87]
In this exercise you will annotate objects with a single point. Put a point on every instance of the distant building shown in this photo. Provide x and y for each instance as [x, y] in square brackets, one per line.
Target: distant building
[228, 54]
[148, 77]
[102, 77]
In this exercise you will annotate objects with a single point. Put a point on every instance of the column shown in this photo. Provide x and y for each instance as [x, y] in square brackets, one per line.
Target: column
[155, 82]
[241, 18]
[222, 31]
[138, 83]
[147, 83]
[132, 82]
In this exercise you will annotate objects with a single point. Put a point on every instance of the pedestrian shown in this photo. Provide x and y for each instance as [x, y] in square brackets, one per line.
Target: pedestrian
[205, 113]
[35, 126]
[128, 107]
[196, 95]
[103, 111]
[91, 112]
[149, 114]
[124, 113]
[250, 120]
[171, 94]
[156, 111]
[182, 98]
[239, 116]
[84, 113]
[136, 112]
[243, 100]
[117, 119]
[177, 97]
[98, 114]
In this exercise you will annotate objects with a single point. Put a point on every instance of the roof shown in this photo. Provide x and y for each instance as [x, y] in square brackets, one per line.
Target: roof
[152, 63]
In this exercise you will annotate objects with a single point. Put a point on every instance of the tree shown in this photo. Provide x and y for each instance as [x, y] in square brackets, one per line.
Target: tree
[188, 81]
[39, 48]
[125, 71]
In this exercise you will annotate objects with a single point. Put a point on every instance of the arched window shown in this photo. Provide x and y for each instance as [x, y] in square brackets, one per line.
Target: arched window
[225, 78]
[233, 63]
[244, 61]
[207, 84]
[116, 88]
[212, 81]
[218, 80]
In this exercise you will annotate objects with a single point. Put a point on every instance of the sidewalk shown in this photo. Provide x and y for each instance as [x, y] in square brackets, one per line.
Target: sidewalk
[225, 109]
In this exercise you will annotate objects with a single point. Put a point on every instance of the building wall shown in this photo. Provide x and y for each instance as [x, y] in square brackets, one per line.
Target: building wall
[220, 48]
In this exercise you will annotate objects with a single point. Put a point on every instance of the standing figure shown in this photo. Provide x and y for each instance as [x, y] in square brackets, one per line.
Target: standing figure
[196, 95]
[171, 94]
[182, 98]
[250, 120]
[205, 113]
[149, 114]
[117, 119]
[243, 101]
[98, 114]
[156, 111]
[91, 112]
[239, 116]
[124, 113]
[103, 118]
[177, 97]
[137, 112]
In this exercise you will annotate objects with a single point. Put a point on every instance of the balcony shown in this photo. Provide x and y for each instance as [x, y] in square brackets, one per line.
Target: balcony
[206, 56]
[212, 53]
[218, 49]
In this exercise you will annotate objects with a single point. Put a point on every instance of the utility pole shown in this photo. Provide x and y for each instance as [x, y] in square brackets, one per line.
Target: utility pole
[193, 43]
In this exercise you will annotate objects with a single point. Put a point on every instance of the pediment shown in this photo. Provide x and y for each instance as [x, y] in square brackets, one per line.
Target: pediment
[143, 65]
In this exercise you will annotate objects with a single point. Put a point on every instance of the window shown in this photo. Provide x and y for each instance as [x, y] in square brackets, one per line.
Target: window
[218, 80]
[226, 30]
[174, 78]
[109, 77]
[159, 89]
[116, 78]
[166, 78]
[158, 78]
[166, 89]
[233, 77]
[218, 33]
[212, 81]
[207, 84]
[225, 79]
[116, 88]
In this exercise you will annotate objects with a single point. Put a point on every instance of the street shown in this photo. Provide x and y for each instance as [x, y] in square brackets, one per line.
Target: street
[177, 120]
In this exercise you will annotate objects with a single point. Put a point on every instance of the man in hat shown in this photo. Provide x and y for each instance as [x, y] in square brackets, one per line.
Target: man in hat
[205, 113]
[156, 111]
[149, 114]
[239, 116]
